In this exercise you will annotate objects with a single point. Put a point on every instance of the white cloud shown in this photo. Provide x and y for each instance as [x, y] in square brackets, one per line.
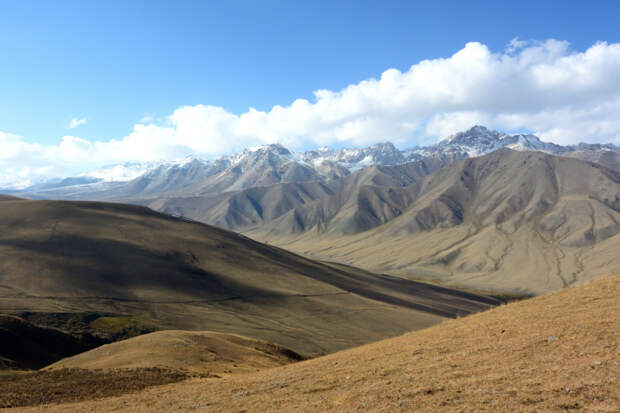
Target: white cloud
[75, 122]
[515, 44]
[543, 86]
[148, 118]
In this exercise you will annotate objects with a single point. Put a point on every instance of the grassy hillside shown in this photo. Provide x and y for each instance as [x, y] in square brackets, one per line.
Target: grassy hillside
[202, 352]
[168, 273]
[558, 352]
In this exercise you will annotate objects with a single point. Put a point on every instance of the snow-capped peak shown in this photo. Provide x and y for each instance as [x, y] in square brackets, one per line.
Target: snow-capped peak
[323, 162]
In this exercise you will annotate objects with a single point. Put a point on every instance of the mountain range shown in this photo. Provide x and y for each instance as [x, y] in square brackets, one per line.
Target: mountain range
[270, 164]
[480, 209]
[521, 222]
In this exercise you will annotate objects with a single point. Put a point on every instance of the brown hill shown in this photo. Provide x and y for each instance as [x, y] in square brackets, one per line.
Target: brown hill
[553, 353]
[517, 222]
[203, 352]
[173, 274]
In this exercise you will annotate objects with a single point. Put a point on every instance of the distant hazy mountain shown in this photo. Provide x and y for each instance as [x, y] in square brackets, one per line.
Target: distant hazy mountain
[357, 158]
[479, 141]
[259, 205]
[273, 164]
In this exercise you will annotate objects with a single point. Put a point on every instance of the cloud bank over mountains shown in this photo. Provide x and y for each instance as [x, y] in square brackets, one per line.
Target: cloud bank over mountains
[544, 87]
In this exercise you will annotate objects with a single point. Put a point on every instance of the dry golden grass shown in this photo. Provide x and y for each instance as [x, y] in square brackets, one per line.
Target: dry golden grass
[32, 388]
[202, 352]
[552, 353]
[137, 363]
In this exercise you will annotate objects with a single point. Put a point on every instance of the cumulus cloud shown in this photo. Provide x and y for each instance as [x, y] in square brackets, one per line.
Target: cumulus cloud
[75, 122]
[544, 87]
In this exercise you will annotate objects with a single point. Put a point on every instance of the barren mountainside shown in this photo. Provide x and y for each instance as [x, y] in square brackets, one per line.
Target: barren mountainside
[510, 221]
[257, 206]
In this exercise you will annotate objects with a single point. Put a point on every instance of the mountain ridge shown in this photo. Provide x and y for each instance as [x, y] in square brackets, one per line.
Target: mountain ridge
[523, 222]
[273, 163]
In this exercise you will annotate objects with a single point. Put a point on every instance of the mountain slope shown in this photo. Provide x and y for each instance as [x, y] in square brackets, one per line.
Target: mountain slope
[239, 209]
[520, 222]
[553, 353]
[260, 205]
[361, 201]
[112, 258]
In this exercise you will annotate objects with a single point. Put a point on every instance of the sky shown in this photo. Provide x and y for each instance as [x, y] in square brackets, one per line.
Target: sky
[85, 84]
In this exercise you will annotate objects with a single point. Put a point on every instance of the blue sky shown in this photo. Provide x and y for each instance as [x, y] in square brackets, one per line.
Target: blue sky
[114, 62]
[117, 66]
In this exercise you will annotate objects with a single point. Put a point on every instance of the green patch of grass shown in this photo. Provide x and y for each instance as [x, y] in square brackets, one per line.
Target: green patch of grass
[127, 326]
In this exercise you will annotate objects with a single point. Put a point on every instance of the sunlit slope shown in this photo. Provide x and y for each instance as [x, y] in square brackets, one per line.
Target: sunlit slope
[202, 352]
